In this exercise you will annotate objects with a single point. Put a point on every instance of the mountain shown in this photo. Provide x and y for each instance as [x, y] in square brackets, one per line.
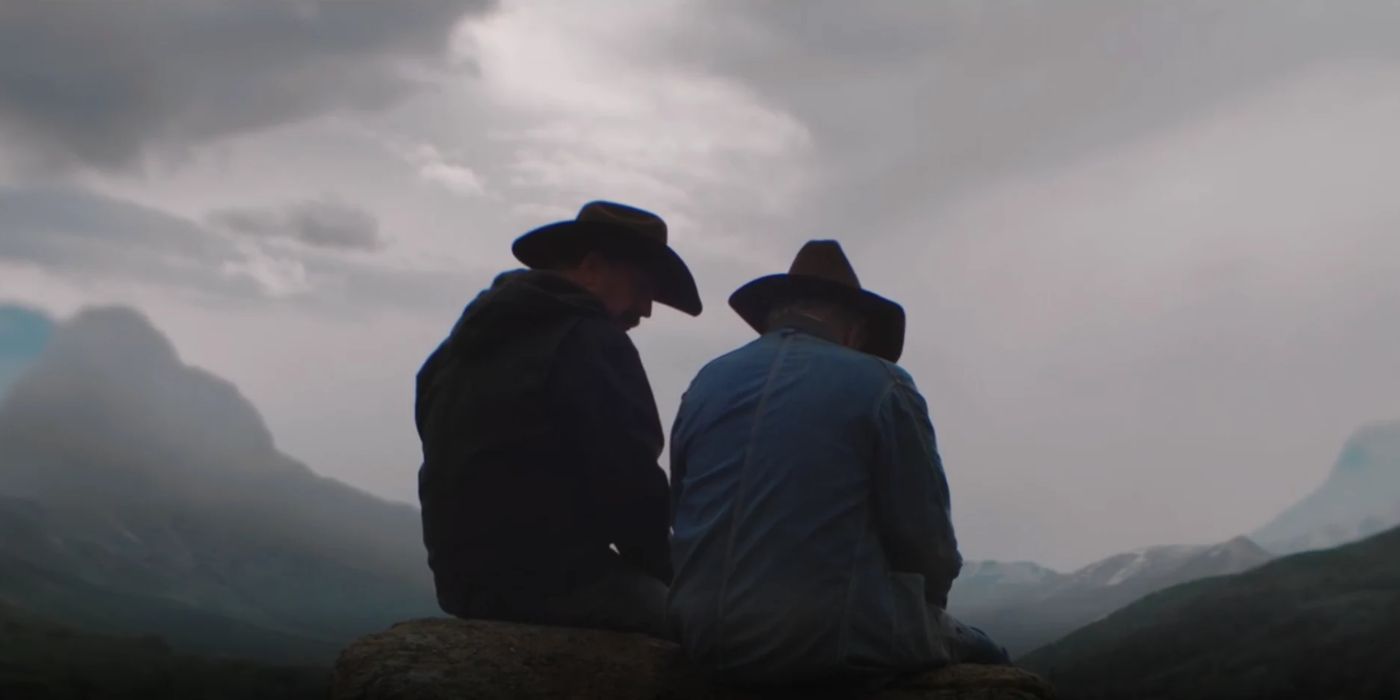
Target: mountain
[54, 662]
[1359, 498]
[1023, 606]
[23, 335]
[143, 496]
[1322, 624]
[990, 584]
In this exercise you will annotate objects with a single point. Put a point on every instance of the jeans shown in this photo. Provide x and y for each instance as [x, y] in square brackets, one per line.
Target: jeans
[621, 599]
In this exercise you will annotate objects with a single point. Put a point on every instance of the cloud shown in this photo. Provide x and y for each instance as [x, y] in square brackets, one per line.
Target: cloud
[444, 172]
[1135, 240]
[590, 105]
[910, 104]
[1146, 248]
[323, 223]
[81, 235]
[101, 83]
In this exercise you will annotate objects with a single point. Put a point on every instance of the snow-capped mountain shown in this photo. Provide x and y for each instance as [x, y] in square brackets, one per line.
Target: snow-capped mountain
[1157, 567]
[1315, 625]
[983, 584]
[1024, 605]
[1361, 497]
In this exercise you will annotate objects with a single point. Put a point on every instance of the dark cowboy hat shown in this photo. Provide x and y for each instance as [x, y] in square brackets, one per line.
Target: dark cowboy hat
[821, 271]
[631, 233]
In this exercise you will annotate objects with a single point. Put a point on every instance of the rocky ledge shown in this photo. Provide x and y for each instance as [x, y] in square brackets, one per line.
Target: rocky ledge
[446, 659]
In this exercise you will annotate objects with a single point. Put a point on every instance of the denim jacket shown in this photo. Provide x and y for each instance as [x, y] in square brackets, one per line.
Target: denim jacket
[812, 534]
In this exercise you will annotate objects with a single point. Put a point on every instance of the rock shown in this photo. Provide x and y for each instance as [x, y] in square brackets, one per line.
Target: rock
[442, 659]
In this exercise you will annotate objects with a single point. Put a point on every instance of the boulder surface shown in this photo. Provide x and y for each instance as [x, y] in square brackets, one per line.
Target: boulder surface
[442, 659]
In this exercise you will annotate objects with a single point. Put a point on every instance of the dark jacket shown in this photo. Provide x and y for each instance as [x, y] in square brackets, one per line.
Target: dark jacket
[540, 444]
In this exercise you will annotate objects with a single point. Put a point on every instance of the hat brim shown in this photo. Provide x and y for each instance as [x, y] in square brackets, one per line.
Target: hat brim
[675, 286]
[884, 318]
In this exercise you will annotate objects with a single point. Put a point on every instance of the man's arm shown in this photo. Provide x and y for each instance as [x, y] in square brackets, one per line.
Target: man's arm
[911, 493]
[612, 416]
[678, 463]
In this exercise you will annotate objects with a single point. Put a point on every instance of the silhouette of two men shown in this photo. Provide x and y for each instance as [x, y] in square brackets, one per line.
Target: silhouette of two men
[812, 536]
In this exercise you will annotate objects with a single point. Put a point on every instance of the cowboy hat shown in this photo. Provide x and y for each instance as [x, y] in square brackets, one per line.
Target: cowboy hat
[611, 227]
[821, 271]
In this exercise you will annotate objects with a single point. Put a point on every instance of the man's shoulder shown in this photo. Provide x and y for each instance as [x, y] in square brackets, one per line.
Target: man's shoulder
[745, 354]
[896, 374]
[834, 363]
[598, 331]
[856, 365]
[536, 293]
[589, 341]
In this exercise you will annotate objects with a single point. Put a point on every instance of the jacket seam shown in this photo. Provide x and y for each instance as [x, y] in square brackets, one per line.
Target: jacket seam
[740, 500]
[843, 643]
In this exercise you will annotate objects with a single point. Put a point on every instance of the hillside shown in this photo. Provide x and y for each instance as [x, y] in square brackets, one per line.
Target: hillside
[40, 660]
[140, 495]
[1024, 606]
[1321, 624]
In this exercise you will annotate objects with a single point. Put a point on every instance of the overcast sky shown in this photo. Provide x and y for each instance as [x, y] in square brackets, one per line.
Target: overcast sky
[1150, 251]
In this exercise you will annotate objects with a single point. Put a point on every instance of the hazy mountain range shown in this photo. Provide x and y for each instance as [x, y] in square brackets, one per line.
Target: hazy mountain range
[1024, 605]
[1321, 624]
[139, 494]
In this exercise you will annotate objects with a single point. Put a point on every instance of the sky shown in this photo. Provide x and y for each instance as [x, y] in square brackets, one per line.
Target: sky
[1150, 252]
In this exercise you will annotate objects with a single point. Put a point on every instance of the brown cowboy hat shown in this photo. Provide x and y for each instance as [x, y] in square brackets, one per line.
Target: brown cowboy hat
[611, 227]
[821, 271]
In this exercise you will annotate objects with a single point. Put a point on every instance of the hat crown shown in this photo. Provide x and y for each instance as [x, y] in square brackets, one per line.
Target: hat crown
[825, 260]
[821, 271]
[637, 221]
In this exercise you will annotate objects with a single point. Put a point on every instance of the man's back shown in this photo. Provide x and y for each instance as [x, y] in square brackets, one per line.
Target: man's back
[779, 457]
[540, 442]
[542, 498]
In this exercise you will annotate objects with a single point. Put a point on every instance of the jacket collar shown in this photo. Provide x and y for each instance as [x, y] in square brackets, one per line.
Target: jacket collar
[541, 289]
[805, 324]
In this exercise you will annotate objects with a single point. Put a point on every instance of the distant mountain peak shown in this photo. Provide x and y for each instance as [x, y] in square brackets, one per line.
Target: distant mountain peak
[989, 571]
[113, 333]
[1023, 605]
[1375, 446]
[141, 494]
[109, 405]
[1195, 640]
[1360, 497]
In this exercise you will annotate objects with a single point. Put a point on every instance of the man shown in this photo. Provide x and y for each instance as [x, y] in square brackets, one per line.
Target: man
[542, 498]
[812, 536]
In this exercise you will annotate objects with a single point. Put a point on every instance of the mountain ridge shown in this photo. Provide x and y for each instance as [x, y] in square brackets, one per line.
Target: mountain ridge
[132, 481]
[1320, 623]
[1037, 605]
[1358, 498]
